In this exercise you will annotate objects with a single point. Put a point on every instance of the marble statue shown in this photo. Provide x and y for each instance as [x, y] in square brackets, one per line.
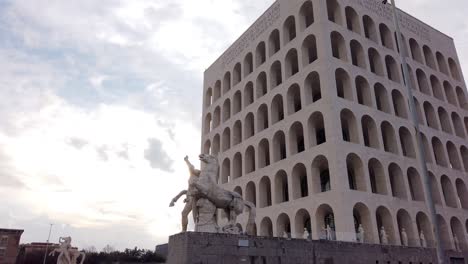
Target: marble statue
[360, 234]
[285, 234]
[209, 196]
[190, 205]
[457, 243]
[329, 233]
[422, 238]
[68, 255]
[383, 236]
[306, 234]
[404, 237]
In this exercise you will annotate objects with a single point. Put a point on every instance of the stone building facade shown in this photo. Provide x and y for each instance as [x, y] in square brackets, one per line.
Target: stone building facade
[307, 112]
[9, 245]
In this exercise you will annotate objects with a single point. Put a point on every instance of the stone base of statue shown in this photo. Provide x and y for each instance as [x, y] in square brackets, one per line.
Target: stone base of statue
[218, 248]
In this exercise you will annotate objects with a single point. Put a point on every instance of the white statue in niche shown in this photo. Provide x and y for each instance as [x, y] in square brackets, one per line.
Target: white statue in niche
[383, 236]
[360, 234]
[68, 255]
[285, 234]
[422, 238]
[306, 234]
[404, 237]
[329, 232]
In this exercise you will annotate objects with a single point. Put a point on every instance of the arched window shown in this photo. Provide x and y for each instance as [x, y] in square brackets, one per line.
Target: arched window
[225, 171]
[363, 92]
[226, 139]
[226, 110]
[457, 231]
[385, 220]
[249, 160]
[450, 94]
[375, 62]
[300, 181]
[283, 226]
[260, 54]
[296, 138]
[370, 30]
[349, 126]
[461, 98]
[262, 87]
[309, 50]
[370, 132]
[381, 98]
[464, 156]
[302, 222]
[262, 118]
[324, 218]
[422, 82]
[279, 146]
[264, 192]
[404, 222]
[263, 153]
[316, 133]
[320, 175]
[415, 51]
[217, 91]
[237, 133]
[448, 191]
[437, 88]
[276, 77]
[386, 37]
[216, 117]
[431, 117]
[397, 181]
[208, 97]
[289, 29]
[417, 107]
[393, 69]
[454, 69]
[458, 125]
[444, 233]
[312, 89]
[266, 227]
[415, 185]
[292, 63]
[237, 103]
[248, 64]
[439, 152]
[274, 42]
[444, 119]
[334, 12]
[429, 57]
[281, 187]
[249, 126]
[399, 104]
[294, 99]
[355, 170]
[462, 193]
[250, 193]
[238, 190]
[237, 78]
[248, 94]
[442, 63]
[434, 185]
[207, 147]
[358, 57]
[406, 140]
[352, 20]
[362, 217]
[388, 137]
[425, 227]
[427, 149]
[377, 177]
[343, 85]
[338, 46]
[216, 144]
[306, 15]
[453, 156]
[277, 109]
[208, 124]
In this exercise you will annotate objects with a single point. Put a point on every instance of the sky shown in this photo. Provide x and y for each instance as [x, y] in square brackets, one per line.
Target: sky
[101, 100]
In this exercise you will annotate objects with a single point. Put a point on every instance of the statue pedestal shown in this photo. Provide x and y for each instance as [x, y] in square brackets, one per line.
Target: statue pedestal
[211, 248]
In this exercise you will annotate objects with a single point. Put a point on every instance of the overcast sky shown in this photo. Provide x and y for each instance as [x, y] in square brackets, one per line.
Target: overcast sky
[101, 100]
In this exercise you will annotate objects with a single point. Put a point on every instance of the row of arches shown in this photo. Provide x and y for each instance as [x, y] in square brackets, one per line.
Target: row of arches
[359, 90]
[294, 99]
[382, 34]
[372, 221]
[276, 39]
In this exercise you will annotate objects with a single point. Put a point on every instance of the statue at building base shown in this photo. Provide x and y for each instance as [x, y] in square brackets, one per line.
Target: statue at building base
[206, 196]
[67, 254]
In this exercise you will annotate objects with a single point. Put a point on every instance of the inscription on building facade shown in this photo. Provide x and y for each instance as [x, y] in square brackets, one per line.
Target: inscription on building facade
[268, 19]
[408, 23]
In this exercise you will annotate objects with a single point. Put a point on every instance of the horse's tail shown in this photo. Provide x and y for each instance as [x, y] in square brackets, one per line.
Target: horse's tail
[83, 257]
[251, 220]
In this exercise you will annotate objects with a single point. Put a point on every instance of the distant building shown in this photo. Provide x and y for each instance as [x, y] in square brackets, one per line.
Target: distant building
[162, 250]
[9, 245]
[308, 114]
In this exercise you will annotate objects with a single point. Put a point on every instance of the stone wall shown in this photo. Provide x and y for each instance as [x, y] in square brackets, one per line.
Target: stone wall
[205, 248]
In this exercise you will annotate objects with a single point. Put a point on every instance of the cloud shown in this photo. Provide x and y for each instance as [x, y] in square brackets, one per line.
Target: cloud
[157, 157]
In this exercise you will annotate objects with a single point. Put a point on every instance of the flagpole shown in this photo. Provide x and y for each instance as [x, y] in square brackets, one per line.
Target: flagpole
[420, 149]
[47, 244]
